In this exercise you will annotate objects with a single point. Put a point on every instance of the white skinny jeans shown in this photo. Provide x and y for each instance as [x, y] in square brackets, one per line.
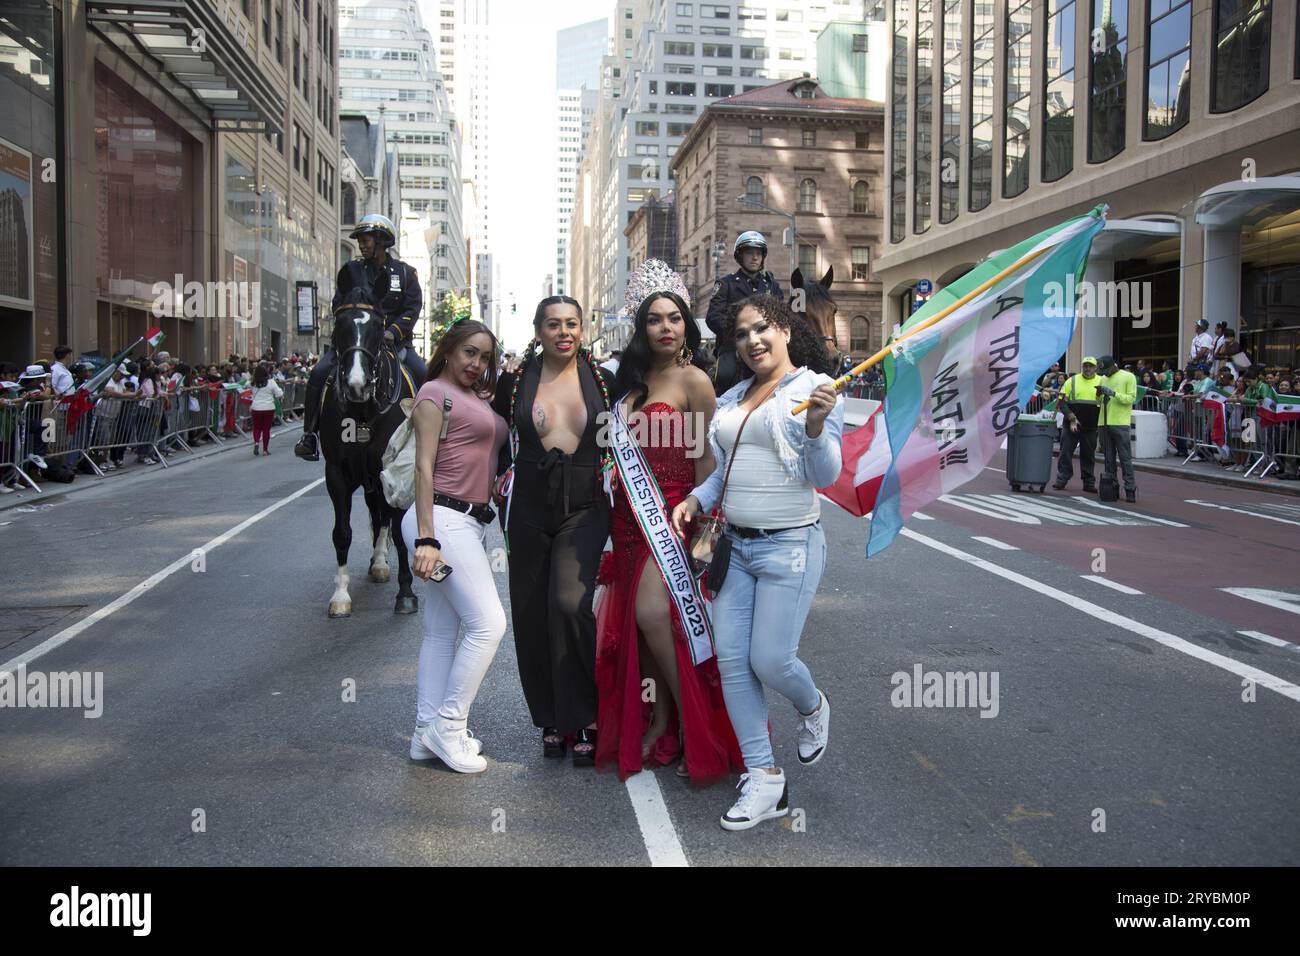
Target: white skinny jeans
[448, 678]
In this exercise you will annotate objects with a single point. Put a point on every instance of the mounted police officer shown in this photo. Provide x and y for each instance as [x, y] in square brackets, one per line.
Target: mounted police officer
[750, 253]
[395, 287]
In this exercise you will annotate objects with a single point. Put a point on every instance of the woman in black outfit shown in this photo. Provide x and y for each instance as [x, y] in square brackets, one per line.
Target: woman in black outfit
[556, 522]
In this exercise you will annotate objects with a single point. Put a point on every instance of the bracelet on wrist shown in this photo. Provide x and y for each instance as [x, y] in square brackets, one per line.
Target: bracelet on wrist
[428, 542]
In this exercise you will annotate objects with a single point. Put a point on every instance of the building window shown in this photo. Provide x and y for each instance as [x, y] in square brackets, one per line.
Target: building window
[808, 260]
[708, 191]
[861, 261]
[1107, 79]
[981, 131]
[678, 48]
[754, 189]
[678, 88]
[1015, 115]
[808, 196]
[950, 115]
[755, 136]
[1240, 52]
[718, 50]
[924, 116]
[1169, 77]
[696, 206]
[644, 128]
[861, 198]
[684, 10]
[859, 335]
[860, 140]
[716, 90]
[809, 137]
[898, 124]
[1058, 105]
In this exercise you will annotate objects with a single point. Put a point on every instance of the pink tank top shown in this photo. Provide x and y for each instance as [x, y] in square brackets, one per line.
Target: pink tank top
[467, 456]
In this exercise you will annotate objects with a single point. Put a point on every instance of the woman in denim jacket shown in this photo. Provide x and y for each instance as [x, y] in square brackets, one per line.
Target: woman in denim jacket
[778, 547]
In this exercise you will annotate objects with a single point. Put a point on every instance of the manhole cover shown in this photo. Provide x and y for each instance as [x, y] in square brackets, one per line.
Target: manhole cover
[18, 622]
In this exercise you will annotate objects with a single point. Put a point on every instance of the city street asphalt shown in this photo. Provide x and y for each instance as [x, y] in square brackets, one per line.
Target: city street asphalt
[225, 682]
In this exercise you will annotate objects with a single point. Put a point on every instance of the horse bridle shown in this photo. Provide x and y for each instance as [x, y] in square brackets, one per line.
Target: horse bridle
[341, 360]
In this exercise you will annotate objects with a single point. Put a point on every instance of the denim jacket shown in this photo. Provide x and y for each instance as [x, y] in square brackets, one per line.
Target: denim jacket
[814, 460]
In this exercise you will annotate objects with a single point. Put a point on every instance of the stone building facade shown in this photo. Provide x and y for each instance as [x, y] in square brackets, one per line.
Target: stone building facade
[781, 156]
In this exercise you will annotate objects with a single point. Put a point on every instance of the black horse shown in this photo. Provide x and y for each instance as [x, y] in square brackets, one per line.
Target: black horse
[360, 409]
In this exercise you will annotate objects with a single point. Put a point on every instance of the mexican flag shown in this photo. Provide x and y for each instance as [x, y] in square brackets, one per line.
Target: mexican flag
[1214, 399]
[955, 387]
[1276, 409]
[865, 463]
[154, 337]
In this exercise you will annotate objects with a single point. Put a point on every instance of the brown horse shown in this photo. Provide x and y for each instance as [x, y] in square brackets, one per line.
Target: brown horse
[818, 310]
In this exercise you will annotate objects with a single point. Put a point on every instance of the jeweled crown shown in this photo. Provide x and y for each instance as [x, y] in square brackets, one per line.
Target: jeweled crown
[653, 275]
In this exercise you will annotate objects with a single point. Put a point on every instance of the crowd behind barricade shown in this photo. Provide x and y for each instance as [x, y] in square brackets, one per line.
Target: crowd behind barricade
[1221, 407]
[65, 417]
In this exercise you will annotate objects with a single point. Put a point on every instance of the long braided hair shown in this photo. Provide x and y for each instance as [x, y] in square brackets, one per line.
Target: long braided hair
[534, 354]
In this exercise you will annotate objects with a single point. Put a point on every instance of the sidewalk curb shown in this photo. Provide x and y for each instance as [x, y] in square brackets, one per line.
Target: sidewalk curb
[1228, 481]
[53, 489]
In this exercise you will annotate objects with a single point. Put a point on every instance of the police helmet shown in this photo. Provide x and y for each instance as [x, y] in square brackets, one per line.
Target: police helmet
[381, 227]
[749, 240]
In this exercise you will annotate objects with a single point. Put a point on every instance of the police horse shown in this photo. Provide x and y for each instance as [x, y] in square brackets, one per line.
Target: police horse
[819, 311]
[360, 409]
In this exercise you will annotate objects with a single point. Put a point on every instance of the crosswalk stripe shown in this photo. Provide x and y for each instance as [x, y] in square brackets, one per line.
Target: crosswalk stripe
[1092, 502]
[1269, 639]
[1121, 588]
[994, 543]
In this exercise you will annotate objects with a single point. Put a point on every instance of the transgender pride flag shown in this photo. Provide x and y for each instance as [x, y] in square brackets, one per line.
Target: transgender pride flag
[954, 390]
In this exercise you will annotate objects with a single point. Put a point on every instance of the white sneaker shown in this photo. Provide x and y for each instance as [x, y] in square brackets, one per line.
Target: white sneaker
[763, 796]
[813, 731]
[420, 752]
[452, 745]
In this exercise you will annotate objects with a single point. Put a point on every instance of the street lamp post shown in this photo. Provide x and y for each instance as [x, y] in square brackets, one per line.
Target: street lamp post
[794, 238]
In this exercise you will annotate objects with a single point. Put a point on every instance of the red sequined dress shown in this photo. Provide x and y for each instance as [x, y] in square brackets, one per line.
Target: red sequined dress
[710, 742]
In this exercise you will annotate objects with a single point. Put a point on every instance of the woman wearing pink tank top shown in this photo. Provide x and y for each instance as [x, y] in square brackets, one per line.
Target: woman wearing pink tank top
[457, 439]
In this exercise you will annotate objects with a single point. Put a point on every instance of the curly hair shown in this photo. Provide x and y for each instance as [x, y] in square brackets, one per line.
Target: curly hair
[806, 347]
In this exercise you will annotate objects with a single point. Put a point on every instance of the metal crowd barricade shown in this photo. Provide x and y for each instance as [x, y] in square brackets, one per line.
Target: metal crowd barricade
[863, 390]
[13, 446]
[127, 423]
[1191, 431]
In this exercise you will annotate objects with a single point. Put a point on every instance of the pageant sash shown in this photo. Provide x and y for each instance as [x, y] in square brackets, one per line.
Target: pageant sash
[669, 555]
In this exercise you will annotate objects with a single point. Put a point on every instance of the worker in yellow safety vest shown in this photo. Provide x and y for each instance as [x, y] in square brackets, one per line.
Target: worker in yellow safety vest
[1077, 400]
[1118, 394]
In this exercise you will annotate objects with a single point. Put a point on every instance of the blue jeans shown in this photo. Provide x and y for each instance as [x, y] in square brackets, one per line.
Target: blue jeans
[758, 617]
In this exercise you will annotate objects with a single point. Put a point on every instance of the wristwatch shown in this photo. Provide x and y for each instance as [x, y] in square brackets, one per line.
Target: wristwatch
[429, 542]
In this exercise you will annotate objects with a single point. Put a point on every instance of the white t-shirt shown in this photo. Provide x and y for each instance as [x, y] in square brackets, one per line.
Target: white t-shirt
[760, 492]
[264, 397]
[61, 379]
[1203, 341]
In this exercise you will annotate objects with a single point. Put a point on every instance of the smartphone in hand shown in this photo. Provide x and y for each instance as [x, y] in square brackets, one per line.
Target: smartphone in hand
[440, 572]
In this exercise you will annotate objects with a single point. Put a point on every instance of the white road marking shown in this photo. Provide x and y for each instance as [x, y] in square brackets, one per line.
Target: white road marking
[1093, 502]
[1240, 511]
[995, 543]
[991, 468]
[68, 633]
[921, 517]
[1121, 588]
[1002, 513]
[1282, 600]
[1269, 639]
[1172, 641]
[652, 817]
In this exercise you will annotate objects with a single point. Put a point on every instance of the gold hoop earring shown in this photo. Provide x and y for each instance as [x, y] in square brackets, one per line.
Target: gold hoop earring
[685, 356]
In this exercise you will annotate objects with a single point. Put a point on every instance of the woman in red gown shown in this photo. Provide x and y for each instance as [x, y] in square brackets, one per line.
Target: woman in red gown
[654, 702]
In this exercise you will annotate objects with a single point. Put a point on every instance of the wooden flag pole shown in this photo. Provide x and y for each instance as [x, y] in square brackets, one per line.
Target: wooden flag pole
[879, 357]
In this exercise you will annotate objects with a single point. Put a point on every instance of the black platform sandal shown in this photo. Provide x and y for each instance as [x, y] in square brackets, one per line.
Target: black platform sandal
[585, 738]
[552, 748]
